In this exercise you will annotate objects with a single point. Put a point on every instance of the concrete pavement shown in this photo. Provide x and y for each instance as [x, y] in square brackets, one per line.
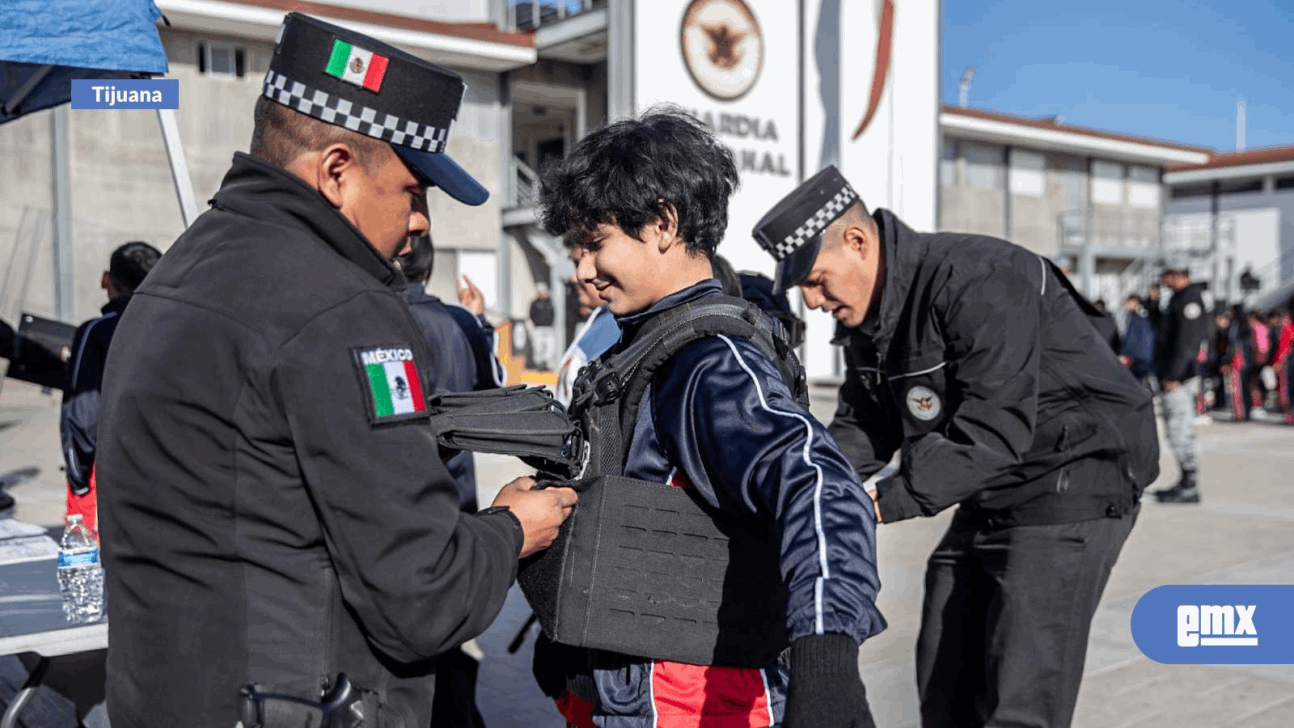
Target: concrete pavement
[1243, 532]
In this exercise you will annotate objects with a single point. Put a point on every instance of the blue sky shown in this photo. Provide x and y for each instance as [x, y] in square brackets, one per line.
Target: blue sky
[1170, 70]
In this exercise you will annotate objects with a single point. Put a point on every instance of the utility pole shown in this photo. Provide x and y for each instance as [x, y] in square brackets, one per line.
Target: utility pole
[963, 85]
[1240, 125]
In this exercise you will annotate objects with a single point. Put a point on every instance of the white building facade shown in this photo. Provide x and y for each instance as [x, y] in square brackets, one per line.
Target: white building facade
[803, 84]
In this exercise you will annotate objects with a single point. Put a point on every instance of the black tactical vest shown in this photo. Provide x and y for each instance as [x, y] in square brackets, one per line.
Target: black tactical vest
[651, 570]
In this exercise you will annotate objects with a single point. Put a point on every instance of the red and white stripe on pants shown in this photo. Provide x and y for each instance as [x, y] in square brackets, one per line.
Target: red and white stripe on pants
[86, 505]
[692, 696]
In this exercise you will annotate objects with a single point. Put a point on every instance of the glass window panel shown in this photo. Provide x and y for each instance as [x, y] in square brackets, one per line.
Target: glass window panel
[222, 60]
[1107, 183]
[948, 164]
[984, 168]
[1027, 173]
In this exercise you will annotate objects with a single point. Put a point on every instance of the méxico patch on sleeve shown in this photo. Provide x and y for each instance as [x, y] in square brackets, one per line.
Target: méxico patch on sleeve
[393, 389]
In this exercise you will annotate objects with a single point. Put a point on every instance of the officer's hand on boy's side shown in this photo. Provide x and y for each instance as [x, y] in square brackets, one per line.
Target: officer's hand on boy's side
[541, 512]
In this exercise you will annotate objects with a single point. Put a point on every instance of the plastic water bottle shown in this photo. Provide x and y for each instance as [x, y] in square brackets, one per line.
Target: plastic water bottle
[80, 576]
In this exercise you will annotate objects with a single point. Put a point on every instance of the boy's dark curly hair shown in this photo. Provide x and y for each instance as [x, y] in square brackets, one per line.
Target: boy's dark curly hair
[632, 171]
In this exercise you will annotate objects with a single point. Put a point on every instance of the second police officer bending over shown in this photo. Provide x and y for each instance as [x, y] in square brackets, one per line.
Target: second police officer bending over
[977, 361]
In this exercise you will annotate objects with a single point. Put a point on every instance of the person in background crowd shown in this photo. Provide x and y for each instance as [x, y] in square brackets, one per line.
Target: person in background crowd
[1218, 357]
[1108, 328]
[1177, 349]
[598, 333]
[1239, 364]
[79, 418]
[1282, 364]
[462, 336]
[544, 338]
[465, 344]
[1138, 351]
[1152, 304]
[1262, 357]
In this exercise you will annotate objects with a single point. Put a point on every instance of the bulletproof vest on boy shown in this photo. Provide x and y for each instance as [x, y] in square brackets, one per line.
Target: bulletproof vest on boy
[646, 568]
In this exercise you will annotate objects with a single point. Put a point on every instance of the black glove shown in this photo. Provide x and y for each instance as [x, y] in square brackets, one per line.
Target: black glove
[825, 689]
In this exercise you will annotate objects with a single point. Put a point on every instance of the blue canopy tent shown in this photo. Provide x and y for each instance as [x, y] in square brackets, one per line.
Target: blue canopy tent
[48, 43]
[44, 46]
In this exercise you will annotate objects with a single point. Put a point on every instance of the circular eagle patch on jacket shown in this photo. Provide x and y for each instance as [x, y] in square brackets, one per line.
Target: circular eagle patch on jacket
[923, 403]
[1191, 311]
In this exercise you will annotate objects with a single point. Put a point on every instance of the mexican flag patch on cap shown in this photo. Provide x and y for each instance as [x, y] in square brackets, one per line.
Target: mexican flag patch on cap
[390, 377]
[357, 66]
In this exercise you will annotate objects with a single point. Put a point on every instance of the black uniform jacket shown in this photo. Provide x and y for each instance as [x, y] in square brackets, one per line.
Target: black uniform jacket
[267, 516]
[1185, 327]
[982, 367]
[78, 422]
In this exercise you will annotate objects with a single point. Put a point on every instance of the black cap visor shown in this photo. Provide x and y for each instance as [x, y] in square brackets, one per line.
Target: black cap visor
[794, 268]
[443, 172]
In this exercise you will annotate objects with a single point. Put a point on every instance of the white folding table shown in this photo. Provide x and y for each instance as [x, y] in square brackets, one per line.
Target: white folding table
[31, 620]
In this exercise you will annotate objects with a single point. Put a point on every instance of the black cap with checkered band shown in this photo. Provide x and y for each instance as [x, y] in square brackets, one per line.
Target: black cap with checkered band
[351, 80]
[792, 231]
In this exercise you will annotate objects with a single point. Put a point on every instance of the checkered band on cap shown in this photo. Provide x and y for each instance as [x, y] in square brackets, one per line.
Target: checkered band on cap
[816, 223]
[356, 117]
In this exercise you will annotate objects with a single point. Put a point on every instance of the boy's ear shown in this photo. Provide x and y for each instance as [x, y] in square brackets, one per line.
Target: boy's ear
[665, 226]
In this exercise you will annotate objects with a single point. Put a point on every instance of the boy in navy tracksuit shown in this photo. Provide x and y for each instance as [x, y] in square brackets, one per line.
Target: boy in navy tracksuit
[645, 202]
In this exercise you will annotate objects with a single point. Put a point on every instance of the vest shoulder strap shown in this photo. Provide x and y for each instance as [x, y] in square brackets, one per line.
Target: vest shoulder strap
[617, 383]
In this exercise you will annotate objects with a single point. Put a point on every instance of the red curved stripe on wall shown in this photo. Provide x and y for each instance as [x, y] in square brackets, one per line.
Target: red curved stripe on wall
[882, 69]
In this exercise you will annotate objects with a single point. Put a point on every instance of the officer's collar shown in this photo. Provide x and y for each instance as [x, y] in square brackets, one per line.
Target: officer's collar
[269, 193]
[630, 323]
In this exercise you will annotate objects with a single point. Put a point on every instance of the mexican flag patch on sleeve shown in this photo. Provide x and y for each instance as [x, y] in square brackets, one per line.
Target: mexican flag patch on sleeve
[389, 376]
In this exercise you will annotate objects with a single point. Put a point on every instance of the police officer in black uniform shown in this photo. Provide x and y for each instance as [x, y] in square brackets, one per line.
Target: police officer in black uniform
[978, 362]
[275, 511]
[1185, 327]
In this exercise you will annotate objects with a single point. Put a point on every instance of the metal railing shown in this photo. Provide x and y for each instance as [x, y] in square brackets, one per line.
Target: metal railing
[523, 186]
[1128, 231]
[1193, 236]
[1148, 240]
[531, 14]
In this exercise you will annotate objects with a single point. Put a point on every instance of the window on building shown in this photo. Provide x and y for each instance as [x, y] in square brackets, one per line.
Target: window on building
[984, 167]
[1235, 186]
[1203, 189]
[1107, 183]
[1284, 183]
[1072, 174]
[221, 59]
[948, 164]
[1143, 186]
[1026, 173]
